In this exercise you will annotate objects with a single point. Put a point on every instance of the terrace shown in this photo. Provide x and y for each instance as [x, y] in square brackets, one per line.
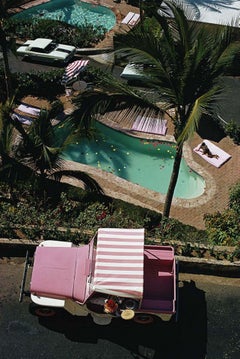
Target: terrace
[219, 180]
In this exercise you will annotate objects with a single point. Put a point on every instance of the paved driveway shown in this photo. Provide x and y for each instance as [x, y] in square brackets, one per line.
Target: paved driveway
[17, 64]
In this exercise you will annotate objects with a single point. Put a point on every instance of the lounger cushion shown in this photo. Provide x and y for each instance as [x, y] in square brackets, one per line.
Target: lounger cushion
[134, 19]
[217, 162]
[128, 17]
[34, 111]
[25, 120]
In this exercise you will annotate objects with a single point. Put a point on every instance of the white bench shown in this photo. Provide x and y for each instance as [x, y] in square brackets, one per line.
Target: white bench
[134, 19]
[131, 19]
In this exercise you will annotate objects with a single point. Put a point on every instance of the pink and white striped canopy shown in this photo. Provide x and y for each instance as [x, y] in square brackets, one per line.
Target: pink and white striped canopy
[73, 70]
[119, 262]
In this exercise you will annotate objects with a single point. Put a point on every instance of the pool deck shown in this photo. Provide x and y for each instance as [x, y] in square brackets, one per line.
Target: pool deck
[218, 180]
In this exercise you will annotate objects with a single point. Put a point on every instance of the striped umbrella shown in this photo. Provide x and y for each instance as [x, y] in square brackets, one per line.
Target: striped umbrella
[73, 70]
[119, 262]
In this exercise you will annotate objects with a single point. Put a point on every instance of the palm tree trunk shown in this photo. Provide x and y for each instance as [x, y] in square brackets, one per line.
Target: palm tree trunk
[173, 182]
[7, 72]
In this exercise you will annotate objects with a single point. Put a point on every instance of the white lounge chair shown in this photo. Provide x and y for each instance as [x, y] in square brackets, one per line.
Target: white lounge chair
[133, 72]
[218, 161]
[128, 17]
[34, 111]
[134, 20]
[23, 119]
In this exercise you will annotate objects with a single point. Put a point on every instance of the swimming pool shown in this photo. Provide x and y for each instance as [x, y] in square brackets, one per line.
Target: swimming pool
[147, 163]
[73, 12]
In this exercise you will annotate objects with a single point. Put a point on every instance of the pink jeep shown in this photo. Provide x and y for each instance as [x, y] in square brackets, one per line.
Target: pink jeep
[115, 276]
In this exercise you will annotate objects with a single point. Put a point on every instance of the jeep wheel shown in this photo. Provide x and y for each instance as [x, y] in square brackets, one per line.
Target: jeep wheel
[41, 311]
[143, 318]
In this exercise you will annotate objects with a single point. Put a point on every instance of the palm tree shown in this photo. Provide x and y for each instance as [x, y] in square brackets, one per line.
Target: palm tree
[31, 154]
[186, 61]
[11, 170]
[38, 149]
[4, 47]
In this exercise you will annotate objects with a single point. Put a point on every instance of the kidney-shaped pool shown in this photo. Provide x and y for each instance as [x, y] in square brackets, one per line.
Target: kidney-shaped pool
[73, 12]
[147, 163]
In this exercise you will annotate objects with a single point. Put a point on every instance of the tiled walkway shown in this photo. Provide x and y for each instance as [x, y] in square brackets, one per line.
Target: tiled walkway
[218, 180]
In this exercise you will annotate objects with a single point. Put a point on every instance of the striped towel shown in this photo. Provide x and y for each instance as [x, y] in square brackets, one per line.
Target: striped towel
[150, 125]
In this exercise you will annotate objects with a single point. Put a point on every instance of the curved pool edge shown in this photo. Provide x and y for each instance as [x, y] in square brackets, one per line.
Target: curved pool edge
[210, 183]
[120, 188]
[211, 186]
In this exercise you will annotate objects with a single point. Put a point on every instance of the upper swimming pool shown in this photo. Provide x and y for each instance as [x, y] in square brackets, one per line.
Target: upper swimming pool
[147, 163]
[73, 12]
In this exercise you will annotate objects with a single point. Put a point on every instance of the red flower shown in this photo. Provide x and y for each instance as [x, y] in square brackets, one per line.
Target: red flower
[101, 216]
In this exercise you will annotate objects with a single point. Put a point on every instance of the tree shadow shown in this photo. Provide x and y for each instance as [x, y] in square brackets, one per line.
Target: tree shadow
[226, 109]
[210, 129]
[9, 250]
[166, 340]
[214, 6]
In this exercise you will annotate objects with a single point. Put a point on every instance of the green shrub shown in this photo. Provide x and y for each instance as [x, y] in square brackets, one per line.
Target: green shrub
[25, 84]
[56, 108]
[187, 250]
[232, 129]
[141, 216]
[22, 29]
[39, 83]
[234, 198]
[85, 36]
[3, 94]
[236, 253]
[199, 251]
[223, 228]
[172, 229]
[76, 208]
[6, 232]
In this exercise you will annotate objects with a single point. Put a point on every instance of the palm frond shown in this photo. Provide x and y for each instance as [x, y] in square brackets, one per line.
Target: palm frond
[37, 146]
[89, 183]
[200, 106]
[13, 171]
[97, 103]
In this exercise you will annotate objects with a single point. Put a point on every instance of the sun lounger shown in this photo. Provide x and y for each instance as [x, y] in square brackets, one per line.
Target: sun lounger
[23, 119]
[156, 126]
[128, 17]
[215, 150]
[34, 111]
[134, 20]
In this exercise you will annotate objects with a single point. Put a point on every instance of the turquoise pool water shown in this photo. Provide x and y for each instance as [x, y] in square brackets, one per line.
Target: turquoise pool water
[148, 163]
[73, 12]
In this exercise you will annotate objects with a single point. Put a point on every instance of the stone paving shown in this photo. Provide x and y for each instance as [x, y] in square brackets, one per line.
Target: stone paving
[218, 180]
